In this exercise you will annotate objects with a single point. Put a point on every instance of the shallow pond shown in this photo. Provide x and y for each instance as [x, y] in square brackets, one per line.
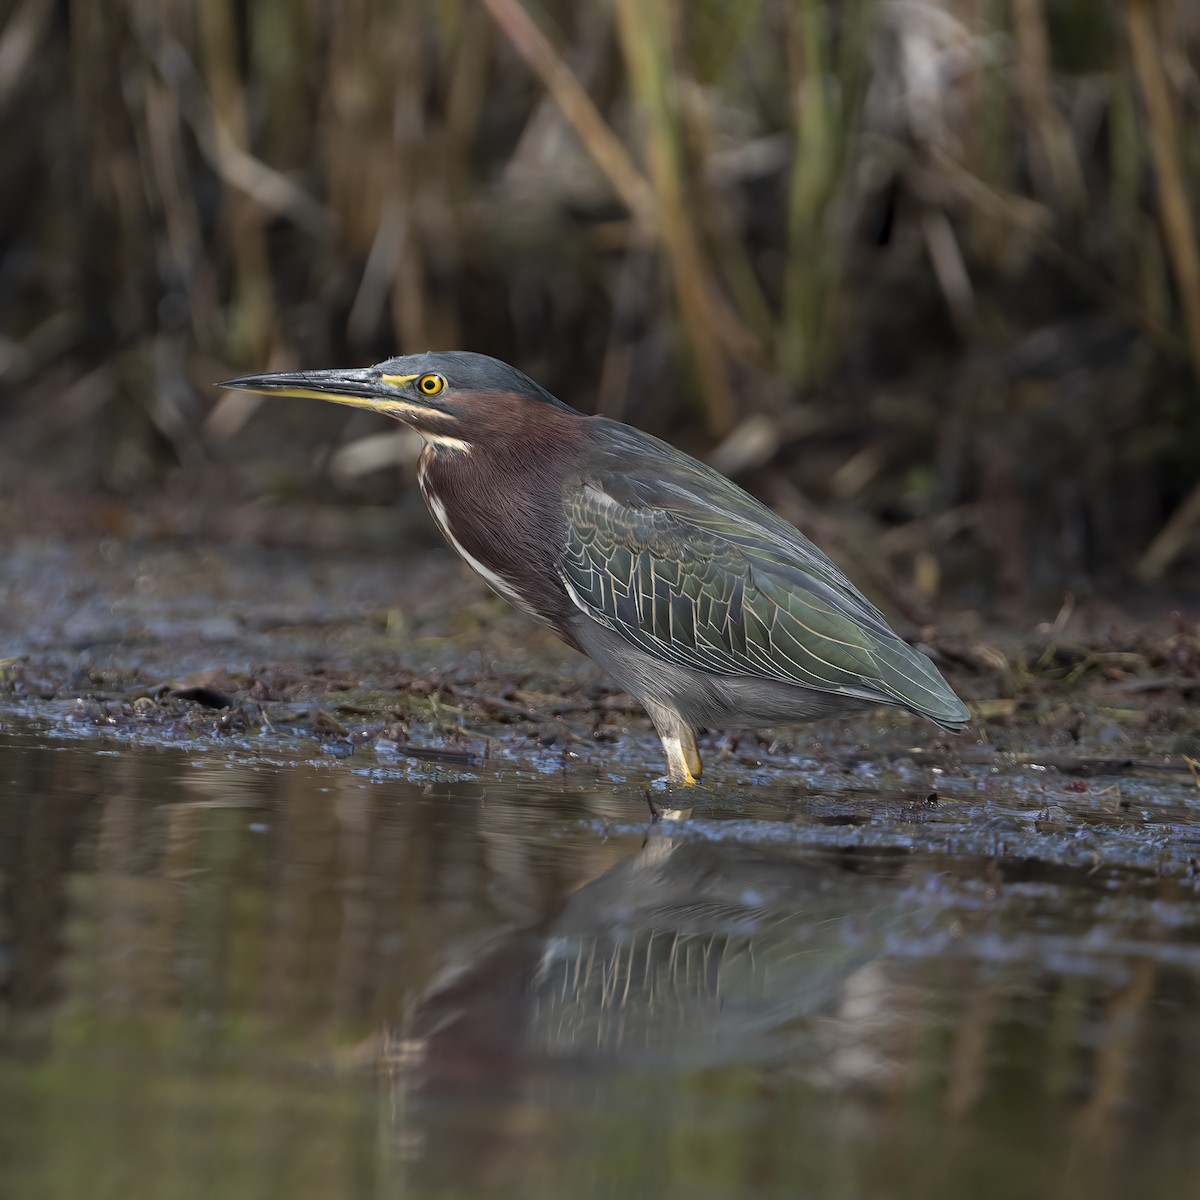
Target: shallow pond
[240, 969]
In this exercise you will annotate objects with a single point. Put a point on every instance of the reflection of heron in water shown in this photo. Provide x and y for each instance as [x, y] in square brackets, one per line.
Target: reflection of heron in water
[694, 953]
[687, 954]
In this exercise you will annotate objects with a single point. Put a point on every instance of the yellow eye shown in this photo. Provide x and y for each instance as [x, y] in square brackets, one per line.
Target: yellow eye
[430, 385]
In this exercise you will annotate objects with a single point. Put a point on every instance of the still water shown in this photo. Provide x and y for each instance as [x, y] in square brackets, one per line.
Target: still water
[237, 974]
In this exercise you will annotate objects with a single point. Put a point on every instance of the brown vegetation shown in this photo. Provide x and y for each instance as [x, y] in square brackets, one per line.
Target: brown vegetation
[931, 264]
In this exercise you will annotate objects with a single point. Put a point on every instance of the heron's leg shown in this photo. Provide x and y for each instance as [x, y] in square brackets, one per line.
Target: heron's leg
[679, 745]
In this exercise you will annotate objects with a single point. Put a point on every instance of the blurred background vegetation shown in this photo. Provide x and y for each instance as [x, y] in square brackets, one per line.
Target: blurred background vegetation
[921, 273]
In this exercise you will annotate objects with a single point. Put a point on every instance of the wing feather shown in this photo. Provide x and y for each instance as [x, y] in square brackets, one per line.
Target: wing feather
[693, 571]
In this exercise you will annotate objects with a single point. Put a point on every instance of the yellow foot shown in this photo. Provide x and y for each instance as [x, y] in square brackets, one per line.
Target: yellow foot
[683, 759]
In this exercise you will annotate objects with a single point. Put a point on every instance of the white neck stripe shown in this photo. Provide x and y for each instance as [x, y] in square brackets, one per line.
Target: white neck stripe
[498, 584]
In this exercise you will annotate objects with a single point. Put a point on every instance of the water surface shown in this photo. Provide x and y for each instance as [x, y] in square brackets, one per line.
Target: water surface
[237, 970]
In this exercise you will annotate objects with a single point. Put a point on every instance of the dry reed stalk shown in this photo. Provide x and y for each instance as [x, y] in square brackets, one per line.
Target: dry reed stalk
[645, 40]
[1174, 205]
[1051, 134]
[466, 99]
[808, 280]
[406, 178]
[252, 316]
[568, 93]
[719, 224]
[657, 204]
[362, 117]
[167, 173]
[1180, 235]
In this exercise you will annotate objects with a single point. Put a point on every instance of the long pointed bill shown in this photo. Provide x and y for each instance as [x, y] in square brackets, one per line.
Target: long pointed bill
[361, 388]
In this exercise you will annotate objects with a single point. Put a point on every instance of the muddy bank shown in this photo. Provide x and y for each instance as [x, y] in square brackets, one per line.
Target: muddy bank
[1079, 731]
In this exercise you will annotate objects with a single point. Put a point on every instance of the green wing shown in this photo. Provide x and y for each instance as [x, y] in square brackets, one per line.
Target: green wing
[692, 570]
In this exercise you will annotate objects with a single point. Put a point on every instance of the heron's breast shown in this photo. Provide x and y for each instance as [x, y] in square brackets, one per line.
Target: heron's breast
[502, 523]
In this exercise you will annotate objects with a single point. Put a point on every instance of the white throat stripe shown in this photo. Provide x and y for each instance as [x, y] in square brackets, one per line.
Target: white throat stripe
[501, 586]
[444, 441]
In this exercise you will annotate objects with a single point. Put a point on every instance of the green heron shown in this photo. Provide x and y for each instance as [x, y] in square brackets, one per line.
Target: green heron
[704, 605]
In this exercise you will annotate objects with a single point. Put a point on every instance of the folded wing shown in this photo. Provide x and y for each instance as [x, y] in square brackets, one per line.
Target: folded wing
[690, 569]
